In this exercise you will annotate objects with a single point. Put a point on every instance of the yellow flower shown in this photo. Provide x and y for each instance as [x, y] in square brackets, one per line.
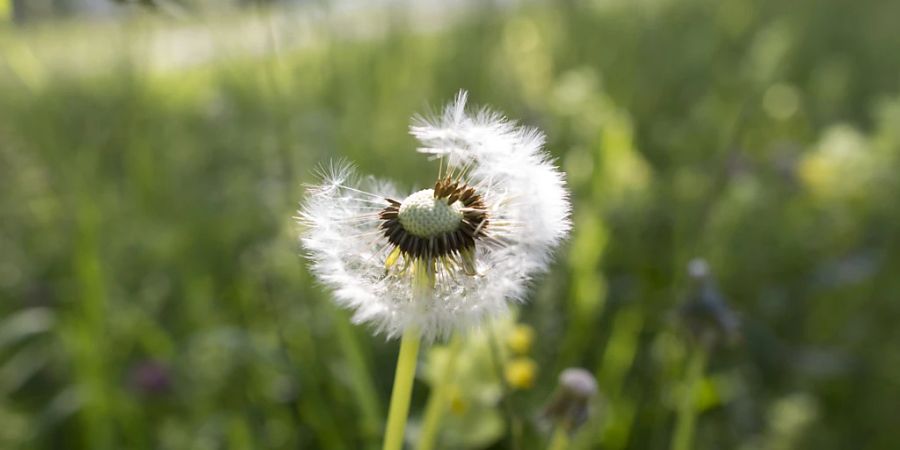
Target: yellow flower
[521, 373]
[457, 403]
[842, 167]
[520, 338]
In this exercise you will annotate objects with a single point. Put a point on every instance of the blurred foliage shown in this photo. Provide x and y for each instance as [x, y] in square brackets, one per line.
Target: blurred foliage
[152, 296]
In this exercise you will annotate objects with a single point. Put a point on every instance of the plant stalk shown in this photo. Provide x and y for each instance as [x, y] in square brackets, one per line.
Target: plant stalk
[686, 419]
[437, 402]
[402, 391]
[560, 439]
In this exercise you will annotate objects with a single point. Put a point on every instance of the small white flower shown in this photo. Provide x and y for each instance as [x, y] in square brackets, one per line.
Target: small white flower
[447, 257]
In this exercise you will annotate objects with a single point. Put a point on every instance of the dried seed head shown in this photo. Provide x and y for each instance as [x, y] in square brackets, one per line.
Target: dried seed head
[578, 382]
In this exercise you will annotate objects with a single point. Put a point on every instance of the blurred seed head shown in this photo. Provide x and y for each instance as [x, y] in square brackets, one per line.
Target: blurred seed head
[698, 269]
[570, 405]
[705, 312]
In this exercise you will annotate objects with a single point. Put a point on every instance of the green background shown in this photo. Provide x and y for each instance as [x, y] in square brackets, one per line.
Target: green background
[150, 168]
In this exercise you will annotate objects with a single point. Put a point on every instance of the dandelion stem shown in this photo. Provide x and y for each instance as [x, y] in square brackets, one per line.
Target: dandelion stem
[437, 402]
[402, 391]
[560, 439]
[687, 410]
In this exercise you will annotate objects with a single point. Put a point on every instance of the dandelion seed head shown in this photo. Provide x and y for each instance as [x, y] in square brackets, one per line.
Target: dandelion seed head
[447, 257]
[424, 215]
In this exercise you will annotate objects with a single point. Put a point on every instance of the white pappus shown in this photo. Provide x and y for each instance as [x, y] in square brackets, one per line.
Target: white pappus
[448, 257]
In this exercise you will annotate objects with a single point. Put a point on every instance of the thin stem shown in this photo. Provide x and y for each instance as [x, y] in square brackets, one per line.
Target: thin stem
[515, 426]
[403, 383]
[687, 411]
[560, 439]
[437, 402]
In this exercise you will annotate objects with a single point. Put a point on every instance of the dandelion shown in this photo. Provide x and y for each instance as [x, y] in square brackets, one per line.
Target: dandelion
[570, 406]
[446, 258]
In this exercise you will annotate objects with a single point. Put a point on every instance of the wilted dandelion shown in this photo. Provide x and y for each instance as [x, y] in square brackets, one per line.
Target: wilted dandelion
[443, 258]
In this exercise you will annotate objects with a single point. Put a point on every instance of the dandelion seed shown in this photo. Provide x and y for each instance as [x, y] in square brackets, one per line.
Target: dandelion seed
[447, 257]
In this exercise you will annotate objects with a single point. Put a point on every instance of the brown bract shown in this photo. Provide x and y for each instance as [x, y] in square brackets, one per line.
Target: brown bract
[453, 243]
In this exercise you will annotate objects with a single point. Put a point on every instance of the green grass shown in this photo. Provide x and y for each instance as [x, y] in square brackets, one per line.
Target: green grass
[145, 215]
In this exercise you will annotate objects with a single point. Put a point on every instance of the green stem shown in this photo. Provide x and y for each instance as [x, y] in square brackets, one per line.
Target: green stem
[560, 439]
[403, 383]
[437, 402]
[687, 411]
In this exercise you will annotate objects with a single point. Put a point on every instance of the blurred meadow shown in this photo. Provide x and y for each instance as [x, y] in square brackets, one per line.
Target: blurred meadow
[153, 294]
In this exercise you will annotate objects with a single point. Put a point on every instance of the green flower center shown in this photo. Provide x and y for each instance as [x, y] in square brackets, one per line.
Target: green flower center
[424, 216]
